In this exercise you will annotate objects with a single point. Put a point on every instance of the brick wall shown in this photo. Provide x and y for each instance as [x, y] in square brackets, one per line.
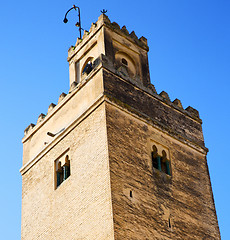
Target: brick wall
[80, 208]
[185, 198]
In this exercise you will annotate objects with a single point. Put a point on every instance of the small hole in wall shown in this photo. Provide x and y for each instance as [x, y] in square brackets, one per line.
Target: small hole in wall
[170, 226]
[131, 193]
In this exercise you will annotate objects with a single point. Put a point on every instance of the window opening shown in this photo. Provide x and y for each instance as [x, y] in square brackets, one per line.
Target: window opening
[66, 168]
[170, 223]
[59, 174]
[62, 171]
[88, 68]
[131, 193]
[124, 61]
[154, 157]
[160, 162]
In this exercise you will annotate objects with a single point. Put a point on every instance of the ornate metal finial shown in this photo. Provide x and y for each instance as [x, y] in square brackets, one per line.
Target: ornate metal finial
[104, 11]
[78, 24]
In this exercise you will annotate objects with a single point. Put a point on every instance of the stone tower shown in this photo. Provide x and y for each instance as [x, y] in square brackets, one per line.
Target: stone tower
[114, 160]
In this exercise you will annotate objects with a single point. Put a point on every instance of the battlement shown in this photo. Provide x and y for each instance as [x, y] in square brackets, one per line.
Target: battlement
[102, 61]
[113, 147]
[103, 20]
[123, 55]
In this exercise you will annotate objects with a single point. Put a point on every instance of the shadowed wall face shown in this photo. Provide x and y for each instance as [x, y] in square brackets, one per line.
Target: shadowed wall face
[174, 207]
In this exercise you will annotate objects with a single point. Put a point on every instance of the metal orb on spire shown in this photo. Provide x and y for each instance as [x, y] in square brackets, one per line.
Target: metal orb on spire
[78, 24]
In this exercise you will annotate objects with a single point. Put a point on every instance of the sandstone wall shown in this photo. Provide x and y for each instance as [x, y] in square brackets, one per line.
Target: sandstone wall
[161, 207]
[80, 208]
[163, 115]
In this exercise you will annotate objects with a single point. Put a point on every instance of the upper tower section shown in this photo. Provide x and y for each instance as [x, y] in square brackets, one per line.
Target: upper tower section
[125, 54]
[110, 64]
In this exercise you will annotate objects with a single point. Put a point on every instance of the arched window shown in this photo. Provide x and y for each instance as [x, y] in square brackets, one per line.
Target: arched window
[87, 66]
[165, 163]
[156, 159]
[160, 161]
[66, 168]
[62, 170]
[59, 174]
[124, 60]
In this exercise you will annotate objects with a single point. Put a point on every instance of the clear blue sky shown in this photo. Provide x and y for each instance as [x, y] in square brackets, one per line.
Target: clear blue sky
[189, 58]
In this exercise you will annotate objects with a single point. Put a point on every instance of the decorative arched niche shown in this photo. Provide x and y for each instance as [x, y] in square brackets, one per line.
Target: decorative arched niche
[125, 64]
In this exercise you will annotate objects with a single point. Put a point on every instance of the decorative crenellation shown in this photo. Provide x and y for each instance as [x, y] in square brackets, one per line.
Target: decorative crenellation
[73, 86]
[124, 30]
[42, 116]
[152, 88]
[93, 26]
[165, 96]
[61, 97]
[142, 41]
[51, 107]
[29, 128]
[178, 105]
[193, 111]
[86, 33]
[104, 20]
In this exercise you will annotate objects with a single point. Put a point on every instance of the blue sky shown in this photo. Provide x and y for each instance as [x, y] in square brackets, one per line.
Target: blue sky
[189, 58]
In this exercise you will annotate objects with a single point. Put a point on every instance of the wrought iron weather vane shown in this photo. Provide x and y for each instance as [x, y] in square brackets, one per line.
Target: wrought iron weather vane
[78, 24]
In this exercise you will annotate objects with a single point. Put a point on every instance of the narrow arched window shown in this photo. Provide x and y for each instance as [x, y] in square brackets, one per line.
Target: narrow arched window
[62, 170]
[160, 161]
[87, 66]
[156, 158]
[59, 174]
[165, 163]
[66, 167]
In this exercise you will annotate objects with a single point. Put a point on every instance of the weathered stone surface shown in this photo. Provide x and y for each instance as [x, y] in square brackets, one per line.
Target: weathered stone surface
[108, 125]
[178, 103]
[133, 35]
[193, 111]
[124, 30]
[165, 96]
[185, 198]
[176, 123]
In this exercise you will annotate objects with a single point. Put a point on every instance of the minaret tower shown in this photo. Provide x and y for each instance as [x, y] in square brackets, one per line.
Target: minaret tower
[115, 160]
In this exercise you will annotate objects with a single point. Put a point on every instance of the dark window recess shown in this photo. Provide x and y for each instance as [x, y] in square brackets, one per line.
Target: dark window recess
[59, 174]
[170, 226]
[160, 162]
[124, 61]
[88, 68]
[63, 172]
[154, 161]
[131, 193]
